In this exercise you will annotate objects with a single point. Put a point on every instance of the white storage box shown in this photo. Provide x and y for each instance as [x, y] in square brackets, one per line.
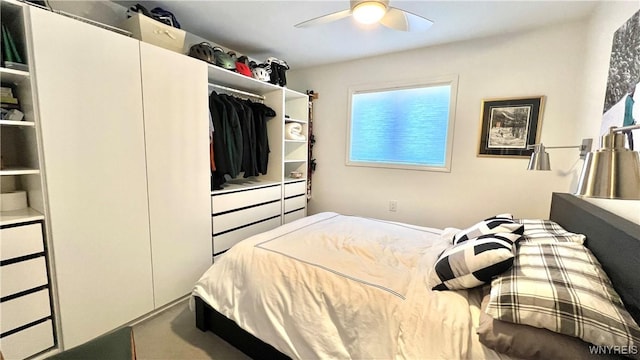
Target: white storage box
[14, 200]
[154, 32]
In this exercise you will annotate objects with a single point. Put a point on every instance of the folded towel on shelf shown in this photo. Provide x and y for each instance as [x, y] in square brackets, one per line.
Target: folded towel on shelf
[293, 131]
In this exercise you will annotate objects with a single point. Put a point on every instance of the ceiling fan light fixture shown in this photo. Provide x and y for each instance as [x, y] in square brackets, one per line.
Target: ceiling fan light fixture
[369, 12]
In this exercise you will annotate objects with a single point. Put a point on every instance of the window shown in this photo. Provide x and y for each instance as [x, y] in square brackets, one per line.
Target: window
[405, 125]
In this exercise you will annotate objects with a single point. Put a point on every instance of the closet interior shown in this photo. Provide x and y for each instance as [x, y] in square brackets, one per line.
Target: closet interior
[244, 206]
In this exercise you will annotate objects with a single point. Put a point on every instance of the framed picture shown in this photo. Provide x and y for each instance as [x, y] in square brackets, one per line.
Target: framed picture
[510, 125]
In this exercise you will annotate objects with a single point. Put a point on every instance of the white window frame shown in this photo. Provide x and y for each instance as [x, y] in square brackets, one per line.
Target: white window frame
[451, 80]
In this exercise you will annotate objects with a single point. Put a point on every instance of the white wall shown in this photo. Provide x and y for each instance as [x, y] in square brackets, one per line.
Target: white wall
[547, 61]
[607, 18]
[567, 63]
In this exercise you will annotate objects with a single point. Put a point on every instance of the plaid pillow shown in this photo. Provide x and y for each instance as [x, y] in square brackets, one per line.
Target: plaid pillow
[546, 231]
[562, 287]
[474, 262]
[528, 342]
[502, 223]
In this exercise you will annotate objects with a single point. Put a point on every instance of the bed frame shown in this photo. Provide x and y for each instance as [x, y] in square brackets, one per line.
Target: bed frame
[615, 241]
[209, 319]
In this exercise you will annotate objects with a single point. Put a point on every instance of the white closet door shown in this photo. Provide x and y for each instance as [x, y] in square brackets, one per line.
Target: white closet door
[176, 118]
[88, 85]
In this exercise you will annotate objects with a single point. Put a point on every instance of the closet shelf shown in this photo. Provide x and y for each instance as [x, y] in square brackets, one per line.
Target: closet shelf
[17, 123]
[19, 216]
[12, 75]
[286, 120]
[292, 94]
[241, 82]
[296, 161]
[19, 171]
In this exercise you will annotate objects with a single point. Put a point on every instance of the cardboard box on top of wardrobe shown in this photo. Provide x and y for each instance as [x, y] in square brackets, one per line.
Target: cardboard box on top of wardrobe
[154, 32]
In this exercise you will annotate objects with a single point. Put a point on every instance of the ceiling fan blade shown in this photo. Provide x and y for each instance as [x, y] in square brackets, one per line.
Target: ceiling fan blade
[405, 21]
[324, 19]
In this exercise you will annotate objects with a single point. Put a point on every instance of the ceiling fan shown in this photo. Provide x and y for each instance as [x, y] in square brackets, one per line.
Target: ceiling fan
[372, 11]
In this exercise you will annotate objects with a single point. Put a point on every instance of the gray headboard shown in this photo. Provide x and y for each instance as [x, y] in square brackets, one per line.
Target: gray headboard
[615, 241]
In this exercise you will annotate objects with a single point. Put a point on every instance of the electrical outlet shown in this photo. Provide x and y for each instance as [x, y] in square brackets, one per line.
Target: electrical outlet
[393, 205]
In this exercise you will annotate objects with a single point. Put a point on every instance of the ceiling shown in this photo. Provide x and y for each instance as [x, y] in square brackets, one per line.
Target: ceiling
[261, 29]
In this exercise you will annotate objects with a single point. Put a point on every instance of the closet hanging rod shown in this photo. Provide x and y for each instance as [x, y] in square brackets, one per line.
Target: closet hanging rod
[237, 91]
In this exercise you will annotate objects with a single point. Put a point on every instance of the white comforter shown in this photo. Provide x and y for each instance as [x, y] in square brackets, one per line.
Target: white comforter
[335, 286]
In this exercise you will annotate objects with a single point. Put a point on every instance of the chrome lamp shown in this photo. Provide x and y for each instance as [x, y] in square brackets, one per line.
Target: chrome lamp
[540, 158]
[613, 171]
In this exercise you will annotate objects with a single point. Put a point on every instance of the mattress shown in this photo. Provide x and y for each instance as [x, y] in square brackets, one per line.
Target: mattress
[337, 286]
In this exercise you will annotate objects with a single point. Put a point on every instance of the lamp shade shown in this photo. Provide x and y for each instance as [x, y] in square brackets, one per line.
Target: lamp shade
[539, 159]
[612, 172]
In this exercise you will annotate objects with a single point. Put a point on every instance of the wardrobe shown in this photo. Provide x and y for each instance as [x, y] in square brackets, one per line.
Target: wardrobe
[125, 155]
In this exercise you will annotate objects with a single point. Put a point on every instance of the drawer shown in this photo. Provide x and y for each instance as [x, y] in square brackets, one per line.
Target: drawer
[19, 241]
[295, 215]
[239, 199]
[296, 188]
[27, 342]
[23, 276]
[239, 218]
[24, 310]
[227, 240]
[295, 203]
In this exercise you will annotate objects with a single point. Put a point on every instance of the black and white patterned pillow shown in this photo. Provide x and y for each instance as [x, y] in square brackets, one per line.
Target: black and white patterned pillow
[562, 287]
[473, 262]
[547, 232]
[502, 223]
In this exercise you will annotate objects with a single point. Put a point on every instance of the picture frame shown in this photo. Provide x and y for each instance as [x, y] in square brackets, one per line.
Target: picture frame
[510, 125]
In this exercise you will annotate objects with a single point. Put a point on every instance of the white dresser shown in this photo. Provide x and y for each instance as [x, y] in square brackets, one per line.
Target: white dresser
[238, 214]
[26, 319]
[295, 200]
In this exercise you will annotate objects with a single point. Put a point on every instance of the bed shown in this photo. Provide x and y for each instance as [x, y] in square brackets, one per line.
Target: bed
[292, 298]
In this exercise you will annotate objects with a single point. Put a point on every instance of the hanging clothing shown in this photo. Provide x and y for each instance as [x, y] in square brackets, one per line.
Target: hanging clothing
[251, 160]
[218, 115]
[240, 141]
[212, 160]
[261, 112]
[233, 137]
[248, 164]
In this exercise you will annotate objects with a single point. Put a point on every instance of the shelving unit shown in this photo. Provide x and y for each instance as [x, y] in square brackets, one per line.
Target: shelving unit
[28, 323]
[19, 140]
[20, 168]
[248, 206]
[295, 151]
